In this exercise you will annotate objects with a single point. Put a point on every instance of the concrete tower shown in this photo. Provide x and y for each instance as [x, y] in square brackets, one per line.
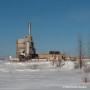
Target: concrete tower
[30, 49]
[29, 28]
[25, 47]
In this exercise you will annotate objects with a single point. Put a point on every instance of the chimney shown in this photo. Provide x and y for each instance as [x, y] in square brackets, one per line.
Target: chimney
[29, 28]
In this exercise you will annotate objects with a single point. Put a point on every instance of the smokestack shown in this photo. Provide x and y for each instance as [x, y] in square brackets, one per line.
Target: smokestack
[29, 28]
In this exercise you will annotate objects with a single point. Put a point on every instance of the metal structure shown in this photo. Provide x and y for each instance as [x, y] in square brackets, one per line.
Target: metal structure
[25, 49]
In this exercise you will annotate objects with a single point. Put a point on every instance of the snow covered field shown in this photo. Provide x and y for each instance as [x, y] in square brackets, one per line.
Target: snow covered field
[40, 76]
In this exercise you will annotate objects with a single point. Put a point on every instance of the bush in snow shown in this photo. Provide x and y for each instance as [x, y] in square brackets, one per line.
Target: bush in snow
[86, 69]
[34, 66]
[77, 64]
[86, 79]
[60, 63]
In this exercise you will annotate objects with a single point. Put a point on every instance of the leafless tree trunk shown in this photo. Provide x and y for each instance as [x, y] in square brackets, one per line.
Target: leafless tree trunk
[53, 61]
[80, 50]
[59, 62]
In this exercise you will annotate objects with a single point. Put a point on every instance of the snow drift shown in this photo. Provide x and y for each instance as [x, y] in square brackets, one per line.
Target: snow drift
[37, 65]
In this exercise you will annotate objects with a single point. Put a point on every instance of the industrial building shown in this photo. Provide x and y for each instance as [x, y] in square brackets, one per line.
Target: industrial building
[25, 49]
[53, 56]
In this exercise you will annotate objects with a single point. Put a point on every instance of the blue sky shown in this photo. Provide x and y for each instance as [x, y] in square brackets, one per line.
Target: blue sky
[55, 24]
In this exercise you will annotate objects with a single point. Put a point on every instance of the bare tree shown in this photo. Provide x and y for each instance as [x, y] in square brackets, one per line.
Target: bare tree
[80, 50]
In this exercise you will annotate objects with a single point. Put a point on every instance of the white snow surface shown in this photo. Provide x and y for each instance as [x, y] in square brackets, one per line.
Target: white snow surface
[40, 76]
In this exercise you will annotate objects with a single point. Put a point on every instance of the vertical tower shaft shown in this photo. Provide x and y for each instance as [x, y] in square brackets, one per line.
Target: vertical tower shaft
[29, 28]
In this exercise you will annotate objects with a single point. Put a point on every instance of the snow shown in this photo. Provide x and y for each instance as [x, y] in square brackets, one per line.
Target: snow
[40, 76]
[69, 65]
